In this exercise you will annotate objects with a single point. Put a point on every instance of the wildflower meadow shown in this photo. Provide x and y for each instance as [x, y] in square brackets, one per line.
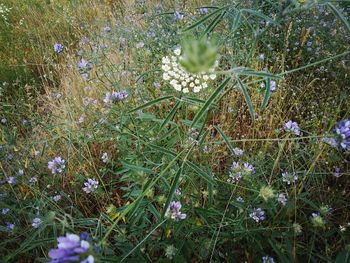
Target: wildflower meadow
[175, 131]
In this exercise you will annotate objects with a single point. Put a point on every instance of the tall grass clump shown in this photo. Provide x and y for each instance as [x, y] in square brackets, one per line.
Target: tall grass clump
[175, 131]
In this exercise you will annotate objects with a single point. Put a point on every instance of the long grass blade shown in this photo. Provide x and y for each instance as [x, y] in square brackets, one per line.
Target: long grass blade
[266, 95]
[247, 98]
[339, 15]
[209, 102]
[150, 103]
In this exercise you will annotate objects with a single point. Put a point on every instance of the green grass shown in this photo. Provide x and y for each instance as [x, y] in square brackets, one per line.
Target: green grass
[164, 145]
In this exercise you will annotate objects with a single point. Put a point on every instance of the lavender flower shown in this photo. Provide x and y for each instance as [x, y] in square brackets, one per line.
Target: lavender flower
[248, 168]
[237, 171]
[107, 29]
[257, 215]
[58, 48]
[36, 222]
[237, 151]
[32, 180]
[56, 198]
[337, 172]
[289, 178]
[272, 85]
[343, 131]
[115, 96]
[5, 211]
[10, 226]
[84, 65]
[20, 172]
[11, 180]
[90, 186]
[282, 199]
[104, 158]
[268, 259]
[179, 15]
[292, 126]
[330, 141]
[71, 249]
[262, 56]
[174, 212]
[56, 165]
[203, 10]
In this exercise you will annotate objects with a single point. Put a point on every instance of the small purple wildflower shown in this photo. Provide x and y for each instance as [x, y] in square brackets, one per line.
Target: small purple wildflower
[56, 198]
[268, 259]
[10, 226]
[337, 172]
[272, 85]
[36, 222]
[84, 65]
[5, 211]
[292, 126]
[115, 96]
[104, 158]
[257, 215]
[237, 151]
[343, 131]
[330, 141]
[235, 173]
[248, 168]
[58, 48]
[289, 178]
[262, 56]
[282, 199]
[32, 180]
[20, 172]
[11, 180]
[173, 211]
[179, 15]
[56, 165]
[70, 249]
[90, 186]
[107, 29]
[203, 10]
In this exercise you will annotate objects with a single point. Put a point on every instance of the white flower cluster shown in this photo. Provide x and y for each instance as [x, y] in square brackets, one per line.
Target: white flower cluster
[182, 80]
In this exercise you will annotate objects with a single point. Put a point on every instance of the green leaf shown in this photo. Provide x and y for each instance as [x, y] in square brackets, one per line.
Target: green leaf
[200, 172]
[201, 21]
[258, 14]
[339, 15]
[236, 21]
[172, 190]
[150, 103]
[214, 23]
[229, 145]
[209, 102]
[171, 114]
[267, 94]
[247, 98]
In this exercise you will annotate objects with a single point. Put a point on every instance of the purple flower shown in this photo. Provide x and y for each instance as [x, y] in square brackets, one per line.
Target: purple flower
[20, 172]
[203, 10]
[5, 211]
[289, 178]
[84, 65]
[292, 126]
[70, 249]
[104, 158]
[179, 15]
[330, 141]
[240, 199]
[56, 198]
[257, 215]
[262, 56]
[237, 151]
[115, 96]
[32, 180]
[173, 211]
[282, 199]
[11, 180]
[107, 29]
[56, 165]
[36, 222]
[272, 85]
[90, 186]
[343, 131]
[248, 168]
[58, 48]
[337, 172]
[10, 226]
[268, 259]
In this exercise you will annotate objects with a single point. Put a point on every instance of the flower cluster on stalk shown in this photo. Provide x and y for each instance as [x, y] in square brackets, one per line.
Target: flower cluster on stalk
[180, 79]
[173, 211]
